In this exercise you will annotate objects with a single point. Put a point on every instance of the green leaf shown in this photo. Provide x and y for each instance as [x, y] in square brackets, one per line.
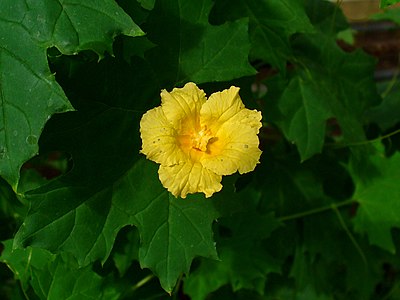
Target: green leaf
[388, 15]
[326, 16]
[173, 231]
[77, 223]
[309, 293]
[190, 49]
[12, 211]
[107, 216]
[136, 46]
[112, 82]
[307, 115]
[271, 23]
[293, 186]
[147, 4]
[52, 276]
[385, 3]
[90, 212]
[243, 261]
[347, 36]
[333, 84]
[136, 11]
[379, 209]
[130, 251]
[29, 95]
[328, 241]
[308, 272]
[386, 113]
[75, 26]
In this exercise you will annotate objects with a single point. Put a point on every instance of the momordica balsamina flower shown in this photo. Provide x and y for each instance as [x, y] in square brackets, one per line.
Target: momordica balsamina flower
[196, 140]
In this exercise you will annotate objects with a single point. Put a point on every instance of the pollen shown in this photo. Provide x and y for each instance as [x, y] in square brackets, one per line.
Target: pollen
[201, 139]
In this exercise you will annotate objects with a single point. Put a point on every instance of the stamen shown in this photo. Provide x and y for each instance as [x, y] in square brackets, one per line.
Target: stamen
[200, 139]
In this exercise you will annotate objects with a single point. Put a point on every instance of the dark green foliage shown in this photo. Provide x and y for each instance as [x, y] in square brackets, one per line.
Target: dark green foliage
[83, 214]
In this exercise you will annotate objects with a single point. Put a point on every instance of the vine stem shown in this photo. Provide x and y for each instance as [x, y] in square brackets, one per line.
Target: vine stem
[316, 210]
[381, 138]
[142, 282]
[390, 85]
[335, 208]
[351, 237]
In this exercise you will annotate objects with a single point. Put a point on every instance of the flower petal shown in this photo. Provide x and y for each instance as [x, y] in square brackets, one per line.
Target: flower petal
[235, 147]
[220, 107]
[188, 178]
[182, 106]
[159, 142]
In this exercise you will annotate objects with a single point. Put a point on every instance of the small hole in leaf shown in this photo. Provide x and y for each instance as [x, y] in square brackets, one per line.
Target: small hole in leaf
[42, 168]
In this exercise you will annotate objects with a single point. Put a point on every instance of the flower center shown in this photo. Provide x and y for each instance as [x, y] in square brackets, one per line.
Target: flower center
[201, 138]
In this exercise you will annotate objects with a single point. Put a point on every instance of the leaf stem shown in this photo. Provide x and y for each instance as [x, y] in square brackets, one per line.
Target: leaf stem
[351, 236]
[315, 211]
[130, 293]
[337, 7]
[142, 282]
[177, 287]
[366, 142]
[391, 84]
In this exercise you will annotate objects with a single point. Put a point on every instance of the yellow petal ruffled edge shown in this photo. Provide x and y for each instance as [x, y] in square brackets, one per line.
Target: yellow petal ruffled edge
[159, 138]
[220, 107]
[189, 178]
[236, 146]
[182, 105]
[235, 130]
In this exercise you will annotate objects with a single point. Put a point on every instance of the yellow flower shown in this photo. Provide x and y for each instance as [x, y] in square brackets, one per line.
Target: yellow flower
[196, 140]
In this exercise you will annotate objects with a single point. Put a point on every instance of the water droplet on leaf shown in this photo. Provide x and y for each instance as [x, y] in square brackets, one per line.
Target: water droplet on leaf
[31, 139]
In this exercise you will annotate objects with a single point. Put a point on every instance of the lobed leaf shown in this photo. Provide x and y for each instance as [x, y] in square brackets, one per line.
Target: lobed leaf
[83, 217]
[73, 25]
[243, 261]
[335, 85]
[190, 49]
[72, 212]
[29, 94]
[385, 115]
[271, 23]
[379, 209]
[52, 276]
[172, 231]
[289, 187]
[328, 242]
[326, 17]
[79, 215]
[305, 116]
